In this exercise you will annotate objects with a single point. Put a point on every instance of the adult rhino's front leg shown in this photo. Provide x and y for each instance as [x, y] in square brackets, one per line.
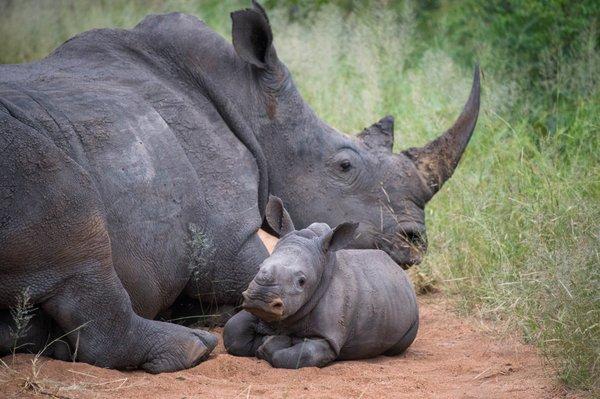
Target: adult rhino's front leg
[94, 309]
[305, 353]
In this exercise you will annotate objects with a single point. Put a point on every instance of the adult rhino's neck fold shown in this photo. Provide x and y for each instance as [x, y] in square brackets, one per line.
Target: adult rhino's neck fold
[236, 122]
[195, 54]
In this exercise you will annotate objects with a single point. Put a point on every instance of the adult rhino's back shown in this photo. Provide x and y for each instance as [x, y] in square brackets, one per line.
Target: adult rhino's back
[159, 153]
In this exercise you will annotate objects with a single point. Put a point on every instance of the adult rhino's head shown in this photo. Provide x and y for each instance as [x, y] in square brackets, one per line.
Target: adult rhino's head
[325, 176]
[300, 266]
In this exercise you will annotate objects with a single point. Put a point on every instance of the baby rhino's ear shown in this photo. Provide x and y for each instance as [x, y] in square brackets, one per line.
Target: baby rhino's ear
[277, 217]
[339, 237]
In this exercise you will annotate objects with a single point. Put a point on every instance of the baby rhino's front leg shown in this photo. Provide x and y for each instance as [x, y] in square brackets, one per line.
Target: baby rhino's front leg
[279, 352]
[271, 345]
[243, 334]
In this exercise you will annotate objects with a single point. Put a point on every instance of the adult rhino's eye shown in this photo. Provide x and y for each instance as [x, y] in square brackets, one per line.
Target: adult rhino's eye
[301, 281]
[345, 165]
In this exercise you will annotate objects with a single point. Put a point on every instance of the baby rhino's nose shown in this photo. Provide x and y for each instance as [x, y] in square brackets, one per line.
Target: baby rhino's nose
[276, 306]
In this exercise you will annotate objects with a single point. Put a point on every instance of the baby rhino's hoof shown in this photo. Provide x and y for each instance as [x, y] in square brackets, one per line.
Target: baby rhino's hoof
[271, 345]
[179, 348]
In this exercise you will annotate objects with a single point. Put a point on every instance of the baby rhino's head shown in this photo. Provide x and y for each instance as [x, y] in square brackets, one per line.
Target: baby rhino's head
[289, 277]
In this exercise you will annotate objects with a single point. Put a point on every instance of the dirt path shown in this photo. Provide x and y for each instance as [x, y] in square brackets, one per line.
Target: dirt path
[451, 358]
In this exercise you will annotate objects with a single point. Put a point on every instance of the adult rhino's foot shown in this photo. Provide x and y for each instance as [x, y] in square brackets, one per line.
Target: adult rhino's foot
[102, 326]
[173, 347]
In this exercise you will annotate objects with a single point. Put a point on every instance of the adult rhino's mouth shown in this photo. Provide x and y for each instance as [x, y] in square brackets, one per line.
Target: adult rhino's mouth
[406, 245]
[266, 307]
[406, 250]
[402, 259]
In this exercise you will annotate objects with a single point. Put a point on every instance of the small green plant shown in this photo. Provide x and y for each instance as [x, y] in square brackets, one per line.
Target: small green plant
[21, 314]
[202, 250]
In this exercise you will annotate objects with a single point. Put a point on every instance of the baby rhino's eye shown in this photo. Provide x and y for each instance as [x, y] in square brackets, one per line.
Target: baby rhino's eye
[345, 165]
[301, 281]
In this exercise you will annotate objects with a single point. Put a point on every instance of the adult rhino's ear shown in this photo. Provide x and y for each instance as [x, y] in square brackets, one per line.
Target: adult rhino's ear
[277, 217]
[380, 134]
[252, 36]
[339, 237]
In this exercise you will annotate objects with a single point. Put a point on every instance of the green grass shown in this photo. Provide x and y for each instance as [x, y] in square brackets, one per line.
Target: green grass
[514, 235]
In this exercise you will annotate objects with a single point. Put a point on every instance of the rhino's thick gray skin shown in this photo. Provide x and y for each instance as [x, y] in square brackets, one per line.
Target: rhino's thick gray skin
[120, 142]
[309, 305]
[113, 148]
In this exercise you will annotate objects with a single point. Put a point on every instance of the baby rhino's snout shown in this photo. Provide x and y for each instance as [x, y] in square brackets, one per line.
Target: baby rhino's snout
[265, 305]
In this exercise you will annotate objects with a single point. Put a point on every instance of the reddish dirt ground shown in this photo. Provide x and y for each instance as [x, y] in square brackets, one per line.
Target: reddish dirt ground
[452, 357]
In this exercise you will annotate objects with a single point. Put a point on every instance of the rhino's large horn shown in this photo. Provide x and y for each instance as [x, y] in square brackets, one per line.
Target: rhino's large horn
[437, 160]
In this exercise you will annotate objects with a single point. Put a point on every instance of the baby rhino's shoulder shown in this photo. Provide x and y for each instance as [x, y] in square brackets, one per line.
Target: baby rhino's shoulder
[366, 259]
[369, 267]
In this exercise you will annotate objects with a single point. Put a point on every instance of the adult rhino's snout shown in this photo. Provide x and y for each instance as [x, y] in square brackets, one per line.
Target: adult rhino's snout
[406, 245]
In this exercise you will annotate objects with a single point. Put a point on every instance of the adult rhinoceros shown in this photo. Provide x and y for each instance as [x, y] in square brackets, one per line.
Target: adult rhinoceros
[120, 142]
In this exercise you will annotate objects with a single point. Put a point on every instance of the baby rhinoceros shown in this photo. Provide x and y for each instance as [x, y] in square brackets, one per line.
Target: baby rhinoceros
[312, 303]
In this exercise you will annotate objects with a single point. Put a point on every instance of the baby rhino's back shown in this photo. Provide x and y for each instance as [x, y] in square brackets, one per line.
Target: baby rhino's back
[381, 306]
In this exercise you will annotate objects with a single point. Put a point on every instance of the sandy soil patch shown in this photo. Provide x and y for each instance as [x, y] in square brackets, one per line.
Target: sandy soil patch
[452, 357]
